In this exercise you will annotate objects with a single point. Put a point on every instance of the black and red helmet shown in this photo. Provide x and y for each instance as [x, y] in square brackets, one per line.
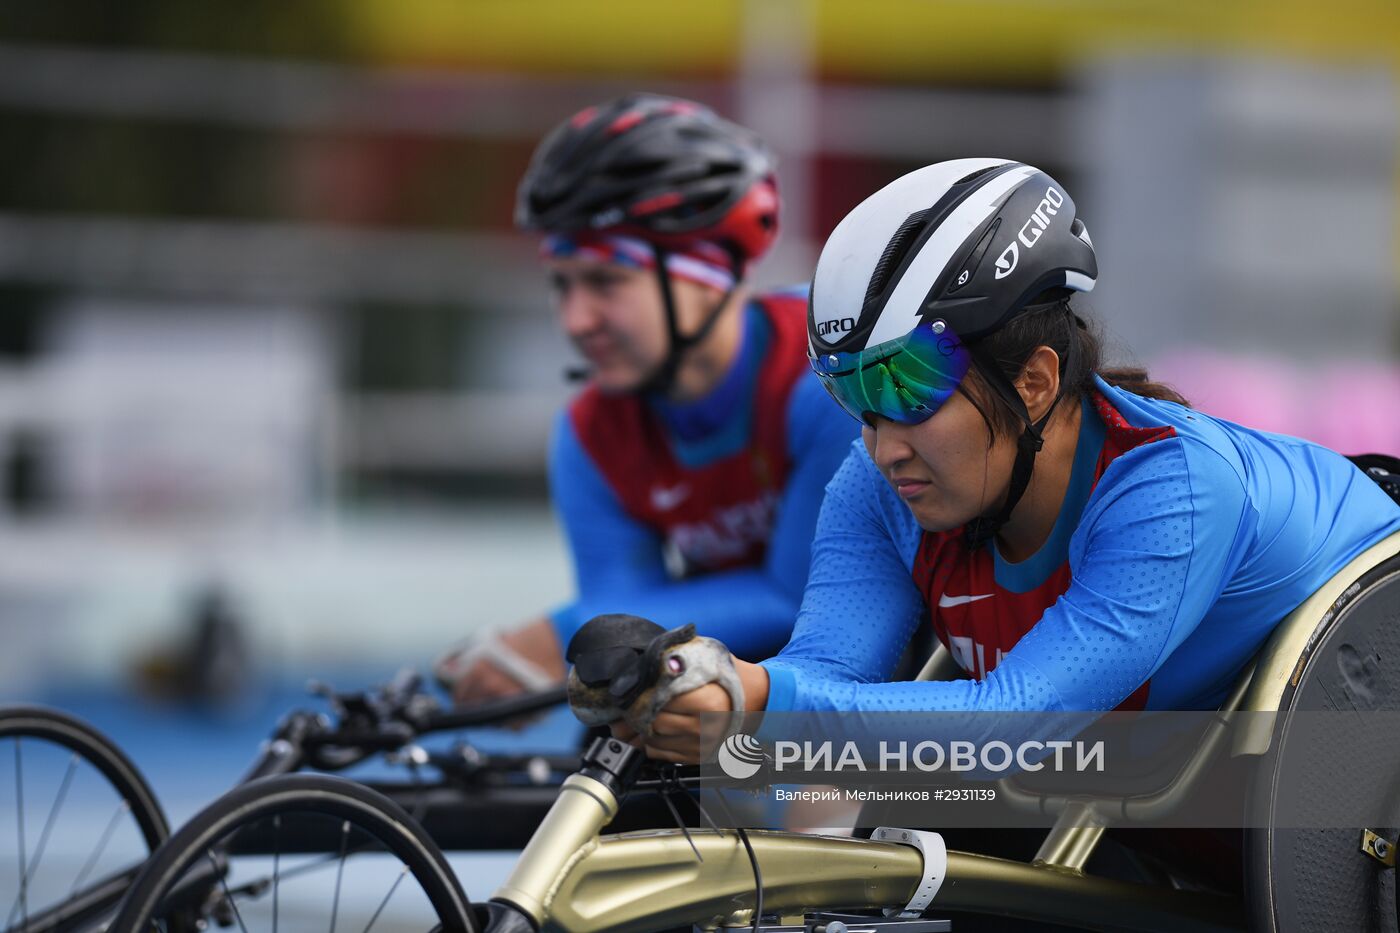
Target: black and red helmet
[668, 170]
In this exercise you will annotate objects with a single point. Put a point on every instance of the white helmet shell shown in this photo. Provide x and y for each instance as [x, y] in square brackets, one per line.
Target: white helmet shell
[919, 248]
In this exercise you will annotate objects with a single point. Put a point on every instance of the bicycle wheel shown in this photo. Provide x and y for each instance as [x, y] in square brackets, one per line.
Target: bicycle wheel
[243, 860]
[77, 820]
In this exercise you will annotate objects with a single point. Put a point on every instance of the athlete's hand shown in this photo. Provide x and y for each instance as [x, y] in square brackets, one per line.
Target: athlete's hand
[485, 680]
[676, 734]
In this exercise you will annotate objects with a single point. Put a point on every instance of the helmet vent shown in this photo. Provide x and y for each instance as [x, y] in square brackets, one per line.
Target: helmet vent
[694, 133]
[723, 167]
[978, 174]
[895, 252]
[636, 169]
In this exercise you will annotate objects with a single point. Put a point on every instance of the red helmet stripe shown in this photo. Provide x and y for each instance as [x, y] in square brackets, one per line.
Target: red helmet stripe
[658, 203]
[625, 122]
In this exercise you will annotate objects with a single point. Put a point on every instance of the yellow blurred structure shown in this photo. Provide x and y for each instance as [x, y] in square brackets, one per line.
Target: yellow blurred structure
[892, 40]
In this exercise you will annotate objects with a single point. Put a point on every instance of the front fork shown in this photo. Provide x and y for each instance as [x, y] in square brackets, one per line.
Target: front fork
[587, 802]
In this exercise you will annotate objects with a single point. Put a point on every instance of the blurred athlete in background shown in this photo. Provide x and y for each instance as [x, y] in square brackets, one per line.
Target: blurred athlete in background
[688, 473]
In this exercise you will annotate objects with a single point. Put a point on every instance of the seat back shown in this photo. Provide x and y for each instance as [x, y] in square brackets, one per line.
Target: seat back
[1280, 663]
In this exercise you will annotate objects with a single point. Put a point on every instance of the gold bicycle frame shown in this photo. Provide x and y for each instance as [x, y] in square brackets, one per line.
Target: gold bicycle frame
[570, 878]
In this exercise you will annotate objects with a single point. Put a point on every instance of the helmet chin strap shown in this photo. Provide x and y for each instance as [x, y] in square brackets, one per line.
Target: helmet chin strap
[663, 378]
[986, 526]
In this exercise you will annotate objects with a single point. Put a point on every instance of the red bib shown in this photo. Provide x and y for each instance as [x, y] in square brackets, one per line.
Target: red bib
[978, 620]
[719, 515]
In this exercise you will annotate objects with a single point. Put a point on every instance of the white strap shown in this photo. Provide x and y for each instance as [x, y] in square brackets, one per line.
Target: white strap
[460, 659]
[935, 853]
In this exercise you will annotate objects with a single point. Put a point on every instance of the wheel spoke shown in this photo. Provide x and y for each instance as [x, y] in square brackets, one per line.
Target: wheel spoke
[44, 836]
[384, 903]
[260, 884]
[340, 871]
[320, 861]
[123, 807]
[276, 863]
[420, 799]
[223, 883]
[19, 823]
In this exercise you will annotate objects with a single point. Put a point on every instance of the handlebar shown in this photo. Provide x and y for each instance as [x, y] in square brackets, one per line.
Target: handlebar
[493, 712]
[385, 719]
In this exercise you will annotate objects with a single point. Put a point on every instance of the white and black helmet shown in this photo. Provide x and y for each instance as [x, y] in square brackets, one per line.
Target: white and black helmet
[912, 279]
[970, 242]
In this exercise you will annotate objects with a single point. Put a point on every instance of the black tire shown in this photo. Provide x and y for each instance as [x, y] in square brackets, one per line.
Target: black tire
[1318, 880]
[245, 806]
[91, 746]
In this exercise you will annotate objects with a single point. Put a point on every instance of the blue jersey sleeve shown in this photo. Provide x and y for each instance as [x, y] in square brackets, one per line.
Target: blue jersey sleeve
[819, 434]
[620, 566]
[860, 606]
[1157, 541]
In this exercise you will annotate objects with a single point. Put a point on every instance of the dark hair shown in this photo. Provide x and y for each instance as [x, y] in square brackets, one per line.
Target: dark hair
[1054, 326]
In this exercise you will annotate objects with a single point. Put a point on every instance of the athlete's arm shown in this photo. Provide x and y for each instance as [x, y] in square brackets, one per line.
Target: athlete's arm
[1156, 544]
[860, 606]
[619, 564]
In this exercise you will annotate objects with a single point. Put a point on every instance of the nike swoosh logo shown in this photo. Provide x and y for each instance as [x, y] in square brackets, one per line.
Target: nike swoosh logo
[665, 499]
[945, 601]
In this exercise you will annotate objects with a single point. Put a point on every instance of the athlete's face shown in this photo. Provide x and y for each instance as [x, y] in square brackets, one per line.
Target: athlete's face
[614, 316]
[942, 467]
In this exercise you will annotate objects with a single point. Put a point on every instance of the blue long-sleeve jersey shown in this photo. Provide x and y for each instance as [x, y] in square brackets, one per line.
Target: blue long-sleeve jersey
[1182, 558]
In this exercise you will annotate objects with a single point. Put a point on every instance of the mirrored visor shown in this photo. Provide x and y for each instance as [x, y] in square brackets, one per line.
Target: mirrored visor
[905, 380]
